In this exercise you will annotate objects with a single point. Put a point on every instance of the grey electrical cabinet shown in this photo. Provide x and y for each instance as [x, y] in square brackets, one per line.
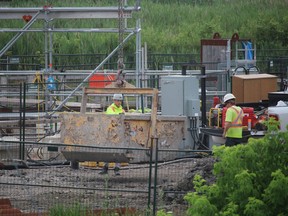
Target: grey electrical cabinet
[180, 95]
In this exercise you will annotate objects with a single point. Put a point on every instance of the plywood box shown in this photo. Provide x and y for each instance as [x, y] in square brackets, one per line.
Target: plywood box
[253, 87]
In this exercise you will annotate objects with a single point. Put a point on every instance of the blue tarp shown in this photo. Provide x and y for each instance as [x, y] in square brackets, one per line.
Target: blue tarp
[247, 45]
[51, 84]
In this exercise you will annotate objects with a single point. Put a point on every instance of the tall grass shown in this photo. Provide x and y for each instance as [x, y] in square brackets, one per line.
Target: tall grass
[180, 25]
[168, 26]
[75, 210]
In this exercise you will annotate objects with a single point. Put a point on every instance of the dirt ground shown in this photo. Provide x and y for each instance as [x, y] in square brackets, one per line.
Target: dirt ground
[62, 184]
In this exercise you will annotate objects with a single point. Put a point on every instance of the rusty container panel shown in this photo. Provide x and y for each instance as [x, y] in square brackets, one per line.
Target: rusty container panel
[124, 131]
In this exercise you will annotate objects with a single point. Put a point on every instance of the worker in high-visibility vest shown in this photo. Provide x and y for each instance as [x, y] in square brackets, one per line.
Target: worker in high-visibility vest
[114, 108]
[233, 121]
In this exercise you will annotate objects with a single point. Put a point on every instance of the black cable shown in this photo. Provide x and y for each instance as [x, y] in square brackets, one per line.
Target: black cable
[190, 129]
[194, 133]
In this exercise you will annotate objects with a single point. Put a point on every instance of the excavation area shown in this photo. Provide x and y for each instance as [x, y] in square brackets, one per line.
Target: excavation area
[45, 186]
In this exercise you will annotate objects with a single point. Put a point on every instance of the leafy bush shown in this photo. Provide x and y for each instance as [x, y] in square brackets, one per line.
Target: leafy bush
[252, 179]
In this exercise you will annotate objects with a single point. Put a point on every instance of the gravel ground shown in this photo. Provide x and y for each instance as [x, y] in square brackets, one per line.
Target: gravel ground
[40, 187]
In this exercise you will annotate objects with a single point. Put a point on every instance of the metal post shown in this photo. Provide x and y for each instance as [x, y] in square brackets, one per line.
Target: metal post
[20, 118]
[155, 177]
[138, 60]
[7, 63]
[50, 51]
[145, 56]
[23, 122]
[143, 77]
[228, 66]
[150, 174]
[184, 70]
[138, 54]
[46, 65]
[203, 95]
[141, 81]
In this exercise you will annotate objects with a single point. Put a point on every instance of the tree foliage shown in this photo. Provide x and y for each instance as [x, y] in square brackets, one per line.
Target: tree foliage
[252, 179]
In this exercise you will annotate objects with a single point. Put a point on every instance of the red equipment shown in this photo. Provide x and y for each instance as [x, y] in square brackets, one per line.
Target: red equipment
[100, 80]
[216, 100]
[248, 114]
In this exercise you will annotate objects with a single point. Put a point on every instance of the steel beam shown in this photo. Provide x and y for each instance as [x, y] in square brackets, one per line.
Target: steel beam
[67, 12]
[88, 30]
[132, 91]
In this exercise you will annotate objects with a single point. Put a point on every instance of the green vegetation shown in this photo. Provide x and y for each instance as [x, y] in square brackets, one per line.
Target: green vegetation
[168, 26]
[76, 210]
[251, 180]
[80, 210]
[108, 207]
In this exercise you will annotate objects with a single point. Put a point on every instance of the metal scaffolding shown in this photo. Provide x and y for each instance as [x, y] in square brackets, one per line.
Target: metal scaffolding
[68, 12]
[49, 14]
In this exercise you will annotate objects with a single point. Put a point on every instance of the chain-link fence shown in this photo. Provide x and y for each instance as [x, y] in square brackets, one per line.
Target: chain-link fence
[39, 176]
[48, 181]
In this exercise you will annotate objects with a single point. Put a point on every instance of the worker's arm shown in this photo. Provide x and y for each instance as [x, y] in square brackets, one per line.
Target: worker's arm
[110, 110]
[226, 127]
[115, 110]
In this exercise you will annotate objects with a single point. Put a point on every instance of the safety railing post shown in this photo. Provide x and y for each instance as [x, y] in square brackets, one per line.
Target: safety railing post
[23, 122]
[150, 175]
[20, 120]
[155, 178]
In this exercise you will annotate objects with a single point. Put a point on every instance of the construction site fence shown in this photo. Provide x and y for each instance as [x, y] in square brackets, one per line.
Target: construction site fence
[39, 94]
[155, 61]
[45, 182]
[89, 61]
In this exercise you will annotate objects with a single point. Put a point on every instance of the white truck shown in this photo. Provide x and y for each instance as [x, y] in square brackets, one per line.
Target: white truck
[280, 113]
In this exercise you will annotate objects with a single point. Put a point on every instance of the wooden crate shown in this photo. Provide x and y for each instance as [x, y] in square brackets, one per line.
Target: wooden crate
[253, 88]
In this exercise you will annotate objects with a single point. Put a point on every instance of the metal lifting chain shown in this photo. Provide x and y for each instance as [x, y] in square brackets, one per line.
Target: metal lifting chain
[121, 26]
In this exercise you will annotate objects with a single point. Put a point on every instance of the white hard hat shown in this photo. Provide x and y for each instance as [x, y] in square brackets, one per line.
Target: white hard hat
[117, 97]
[228, 97]
[281, 103]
